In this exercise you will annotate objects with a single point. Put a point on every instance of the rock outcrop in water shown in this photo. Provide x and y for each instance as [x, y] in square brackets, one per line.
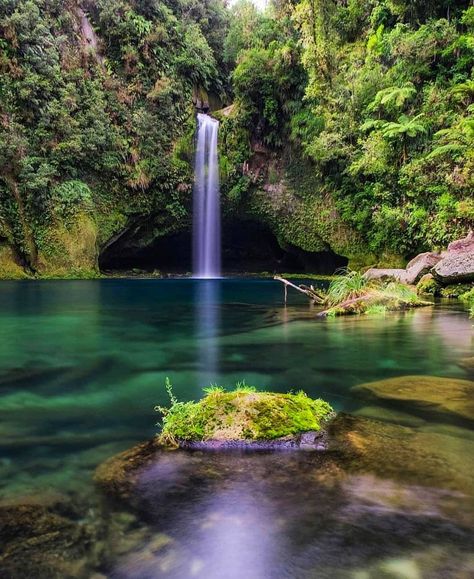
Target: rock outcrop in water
[426, 393]
[394, 484]
[244, 418]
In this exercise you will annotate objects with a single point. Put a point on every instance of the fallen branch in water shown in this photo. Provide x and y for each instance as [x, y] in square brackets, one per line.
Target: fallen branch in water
[313, 295]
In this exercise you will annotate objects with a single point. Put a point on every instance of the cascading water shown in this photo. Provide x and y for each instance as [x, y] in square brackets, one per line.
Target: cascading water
[206, 217]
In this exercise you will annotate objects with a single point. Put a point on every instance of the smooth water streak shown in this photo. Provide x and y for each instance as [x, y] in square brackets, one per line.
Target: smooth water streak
[206, 216]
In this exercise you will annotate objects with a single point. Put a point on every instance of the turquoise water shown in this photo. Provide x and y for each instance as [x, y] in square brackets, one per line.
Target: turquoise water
[83, 363]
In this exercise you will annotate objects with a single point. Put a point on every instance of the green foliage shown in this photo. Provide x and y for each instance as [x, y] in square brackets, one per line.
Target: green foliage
[468, 297]
[371, 101]
[462, 291]
[400, 292]
[427, 286]
[240, 414]
[376, 310]
[91, 127]
[70, 197]
[384, 113]
[353, 293]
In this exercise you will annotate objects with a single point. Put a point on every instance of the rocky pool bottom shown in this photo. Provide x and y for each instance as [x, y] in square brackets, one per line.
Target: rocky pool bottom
[380, 501]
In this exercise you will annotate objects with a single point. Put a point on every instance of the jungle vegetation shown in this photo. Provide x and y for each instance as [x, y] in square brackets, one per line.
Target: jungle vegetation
[375, 97]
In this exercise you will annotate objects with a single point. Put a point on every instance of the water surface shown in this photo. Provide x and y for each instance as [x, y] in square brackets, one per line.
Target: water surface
[83, 363]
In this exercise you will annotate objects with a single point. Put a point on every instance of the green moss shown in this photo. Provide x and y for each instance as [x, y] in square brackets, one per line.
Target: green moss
[68, 249]
[376, 310]
[427, 286]
[456, 290]
[241, 414]
[468, 296]
[468, 299]
[9, 268]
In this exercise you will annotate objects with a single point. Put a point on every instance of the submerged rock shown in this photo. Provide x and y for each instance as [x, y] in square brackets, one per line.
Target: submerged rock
[467, 364]
[403, 453]
[429, 393]
[43, 541]
[383, 489]
[117, 475]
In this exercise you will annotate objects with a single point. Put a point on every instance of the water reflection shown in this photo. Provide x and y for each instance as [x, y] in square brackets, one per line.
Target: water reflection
[297, 515]
[207, 306]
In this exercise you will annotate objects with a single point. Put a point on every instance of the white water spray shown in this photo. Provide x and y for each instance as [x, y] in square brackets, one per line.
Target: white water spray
[206, 216]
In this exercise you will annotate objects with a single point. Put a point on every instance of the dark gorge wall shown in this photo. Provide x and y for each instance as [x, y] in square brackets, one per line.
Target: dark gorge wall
[247, 247]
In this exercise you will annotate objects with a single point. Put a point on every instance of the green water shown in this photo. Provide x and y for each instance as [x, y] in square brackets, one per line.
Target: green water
[83, 363]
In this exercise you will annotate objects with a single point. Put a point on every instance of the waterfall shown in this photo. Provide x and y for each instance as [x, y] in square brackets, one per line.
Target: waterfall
[206, 216]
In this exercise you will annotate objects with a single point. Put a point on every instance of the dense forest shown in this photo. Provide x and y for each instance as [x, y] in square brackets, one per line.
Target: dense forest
[347, 127]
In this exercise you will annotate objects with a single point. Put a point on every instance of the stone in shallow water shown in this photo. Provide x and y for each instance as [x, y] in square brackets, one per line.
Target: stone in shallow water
[380, 492]
[467, 364]
[389, 415]
[430, 393]
[404, 454]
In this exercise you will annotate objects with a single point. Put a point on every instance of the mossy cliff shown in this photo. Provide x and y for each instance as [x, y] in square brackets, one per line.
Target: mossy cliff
[283, 191]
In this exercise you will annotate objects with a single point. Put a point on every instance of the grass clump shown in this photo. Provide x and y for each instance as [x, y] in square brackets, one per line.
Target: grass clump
[353, 293]
[350, 285]
[240, 414]
[456, 290]
[376, 310]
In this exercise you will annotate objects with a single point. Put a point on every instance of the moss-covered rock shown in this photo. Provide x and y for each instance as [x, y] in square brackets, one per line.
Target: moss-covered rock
[428, 286]
[69, 248]
[429, 393]
[288, 199]
[241, 415]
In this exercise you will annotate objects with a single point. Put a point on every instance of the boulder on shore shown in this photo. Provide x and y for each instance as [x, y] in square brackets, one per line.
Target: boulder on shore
[386, 274]
[462, 245]
[455, 267]
[420, 266]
